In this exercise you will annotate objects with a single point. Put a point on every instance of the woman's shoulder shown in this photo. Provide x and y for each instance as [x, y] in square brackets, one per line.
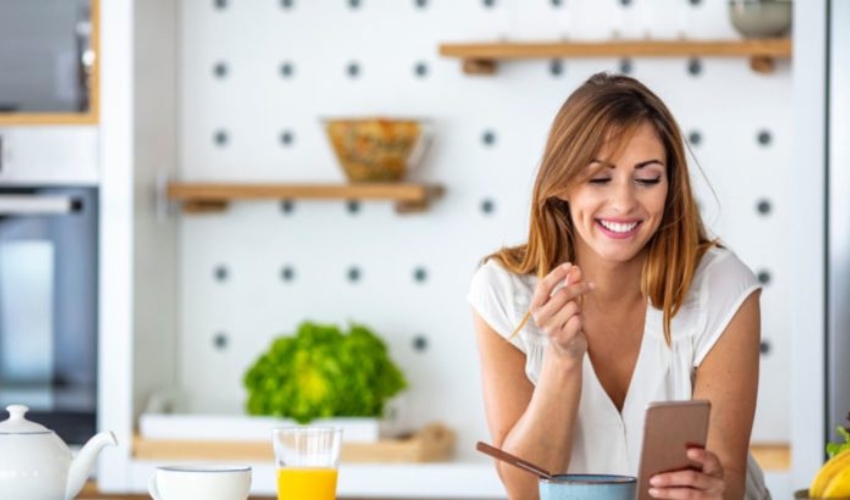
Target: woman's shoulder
[492, 273]
[722, 270]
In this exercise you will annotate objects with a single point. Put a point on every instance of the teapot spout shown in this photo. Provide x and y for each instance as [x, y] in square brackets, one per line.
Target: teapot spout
[83, 463]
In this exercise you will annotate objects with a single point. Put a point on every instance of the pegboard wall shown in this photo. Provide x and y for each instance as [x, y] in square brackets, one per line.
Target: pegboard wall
[256, 76]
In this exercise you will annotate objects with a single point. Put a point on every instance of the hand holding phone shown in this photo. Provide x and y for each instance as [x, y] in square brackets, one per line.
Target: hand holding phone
[670, 429]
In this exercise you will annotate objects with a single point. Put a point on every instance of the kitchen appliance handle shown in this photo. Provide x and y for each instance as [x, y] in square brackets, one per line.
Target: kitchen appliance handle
[38, 204]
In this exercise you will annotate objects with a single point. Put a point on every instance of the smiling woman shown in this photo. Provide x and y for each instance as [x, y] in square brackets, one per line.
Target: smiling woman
[618, 299]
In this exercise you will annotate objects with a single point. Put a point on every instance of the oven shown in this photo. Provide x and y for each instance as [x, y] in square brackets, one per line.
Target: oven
[48, 306]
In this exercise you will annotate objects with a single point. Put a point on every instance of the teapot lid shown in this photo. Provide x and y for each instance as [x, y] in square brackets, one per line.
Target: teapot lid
[18, 424]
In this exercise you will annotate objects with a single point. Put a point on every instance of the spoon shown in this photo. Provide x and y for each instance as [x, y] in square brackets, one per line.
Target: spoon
[513, 460]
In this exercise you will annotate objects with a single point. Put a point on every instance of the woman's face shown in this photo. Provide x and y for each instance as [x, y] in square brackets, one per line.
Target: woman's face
[617, 210]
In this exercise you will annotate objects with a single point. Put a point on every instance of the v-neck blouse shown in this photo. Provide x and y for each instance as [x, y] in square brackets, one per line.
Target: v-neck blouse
[607, 440]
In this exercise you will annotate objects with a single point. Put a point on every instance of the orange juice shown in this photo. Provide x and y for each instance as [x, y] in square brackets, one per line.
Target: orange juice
[306, 483]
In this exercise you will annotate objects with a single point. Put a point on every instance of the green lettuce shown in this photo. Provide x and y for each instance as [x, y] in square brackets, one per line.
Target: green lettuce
[322, 372]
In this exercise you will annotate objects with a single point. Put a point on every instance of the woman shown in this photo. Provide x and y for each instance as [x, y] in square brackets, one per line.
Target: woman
[618, 299]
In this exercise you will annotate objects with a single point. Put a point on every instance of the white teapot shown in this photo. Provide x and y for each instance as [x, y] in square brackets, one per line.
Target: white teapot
[35, 464]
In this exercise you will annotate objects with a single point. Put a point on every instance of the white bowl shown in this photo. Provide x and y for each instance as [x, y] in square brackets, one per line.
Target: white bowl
[761, 18]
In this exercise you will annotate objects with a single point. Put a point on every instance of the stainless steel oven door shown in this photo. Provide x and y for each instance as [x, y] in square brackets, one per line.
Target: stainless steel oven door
[48, 306]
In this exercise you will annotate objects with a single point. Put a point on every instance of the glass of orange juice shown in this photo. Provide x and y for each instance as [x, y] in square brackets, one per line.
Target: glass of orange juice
[307, 458]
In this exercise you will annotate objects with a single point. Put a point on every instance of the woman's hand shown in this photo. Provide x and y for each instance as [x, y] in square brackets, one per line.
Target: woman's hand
[691, 484]
[557, 311]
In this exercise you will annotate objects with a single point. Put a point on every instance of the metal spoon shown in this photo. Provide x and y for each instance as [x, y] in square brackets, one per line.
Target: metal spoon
[513, 460]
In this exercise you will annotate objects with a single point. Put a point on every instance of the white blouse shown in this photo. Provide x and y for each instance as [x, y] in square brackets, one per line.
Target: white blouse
[607, 440]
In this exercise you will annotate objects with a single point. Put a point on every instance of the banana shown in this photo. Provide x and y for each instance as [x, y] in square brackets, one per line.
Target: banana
[839, 485]
[830, 471]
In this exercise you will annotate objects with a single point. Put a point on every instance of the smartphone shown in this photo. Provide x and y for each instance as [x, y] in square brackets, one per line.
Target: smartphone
[670, 428]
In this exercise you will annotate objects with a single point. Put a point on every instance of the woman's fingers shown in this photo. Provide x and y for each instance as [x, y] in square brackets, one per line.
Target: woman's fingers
[686, 484]
[548, 284]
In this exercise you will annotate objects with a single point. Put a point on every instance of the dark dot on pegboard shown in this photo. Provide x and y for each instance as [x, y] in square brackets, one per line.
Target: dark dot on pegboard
[287, 137]
[765, 137]
[221, 138]
[287, 206]
[421, 3]
[220, 69]
[694, 66]
[695, 138]
[420, 343]
[763, 277]
[220, 341]
[626, 66]
[420, 70]
[353, 206]
[625, 3]
[353, 274]
[420, 274]
[354, 3]
[287, 4]
[764, 347]
[764, 207]
[287, 273]
[353, 70]
[488, 138]
[220, 4]
[489, 3]
[556, 67]
[287, 69]
[696, 2]
[220, 273]
[557, 3]
[488, 207]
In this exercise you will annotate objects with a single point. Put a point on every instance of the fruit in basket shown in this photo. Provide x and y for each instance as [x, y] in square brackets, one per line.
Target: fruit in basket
[833, 479]
[377, 149]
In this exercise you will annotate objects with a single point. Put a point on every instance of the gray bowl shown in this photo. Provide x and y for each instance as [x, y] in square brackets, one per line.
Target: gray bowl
[761, 18]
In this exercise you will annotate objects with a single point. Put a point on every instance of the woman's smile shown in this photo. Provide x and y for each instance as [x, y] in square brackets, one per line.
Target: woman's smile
[618, 229]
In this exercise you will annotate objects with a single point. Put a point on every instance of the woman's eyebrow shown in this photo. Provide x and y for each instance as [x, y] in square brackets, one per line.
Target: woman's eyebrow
[637, 165]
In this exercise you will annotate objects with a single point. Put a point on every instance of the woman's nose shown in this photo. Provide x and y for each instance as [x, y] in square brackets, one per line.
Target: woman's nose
[623, 197]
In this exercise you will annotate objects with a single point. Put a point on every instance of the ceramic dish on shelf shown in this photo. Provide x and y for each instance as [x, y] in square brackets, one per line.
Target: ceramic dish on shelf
[378, 149]
[761, 18]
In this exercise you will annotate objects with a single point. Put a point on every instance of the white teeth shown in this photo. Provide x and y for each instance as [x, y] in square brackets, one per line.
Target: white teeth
[618, 227]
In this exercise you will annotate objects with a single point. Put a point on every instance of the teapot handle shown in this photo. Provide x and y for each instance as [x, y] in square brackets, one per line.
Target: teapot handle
[152, 487]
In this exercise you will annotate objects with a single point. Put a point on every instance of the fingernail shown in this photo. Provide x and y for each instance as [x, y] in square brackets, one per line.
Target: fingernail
[654, 492]
[655, 481]
[567, 265]
[591, 285]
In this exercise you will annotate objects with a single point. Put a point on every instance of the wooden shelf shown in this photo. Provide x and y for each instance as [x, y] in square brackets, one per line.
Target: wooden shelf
[481, 58]
[214, 197]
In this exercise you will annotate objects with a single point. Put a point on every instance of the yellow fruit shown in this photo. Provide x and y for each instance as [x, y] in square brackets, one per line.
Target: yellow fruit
[839, 485]
[829, 472]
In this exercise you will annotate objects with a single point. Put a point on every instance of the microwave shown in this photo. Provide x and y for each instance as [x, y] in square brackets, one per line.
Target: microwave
[48, 306]
[45, 55]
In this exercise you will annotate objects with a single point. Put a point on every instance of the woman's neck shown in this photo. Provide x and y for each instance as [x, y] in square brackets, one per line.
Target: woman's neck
[614, 282]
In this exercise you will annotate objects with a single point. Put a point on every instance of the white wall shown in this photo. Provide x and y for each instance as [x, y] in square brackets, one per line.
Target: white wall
[727, 105]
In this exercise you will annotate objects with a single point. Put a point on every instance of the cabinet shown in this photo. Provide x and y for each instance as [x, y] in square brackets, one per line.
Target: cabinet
[49, 92]
[49, 49]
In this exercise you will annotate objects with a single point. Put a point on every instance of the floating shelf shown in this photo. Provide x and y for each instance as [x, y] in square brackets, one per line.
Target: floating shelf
[215, 197]
[481, 58]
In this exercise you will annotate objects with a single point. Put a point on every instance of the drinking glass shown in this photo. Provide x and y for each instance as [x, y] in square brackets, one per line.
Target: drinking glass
[307, 459]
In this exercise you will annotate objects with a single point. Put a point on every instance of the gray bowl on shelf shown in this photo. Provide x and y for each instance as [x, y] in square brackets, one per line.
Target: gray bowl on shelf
[761, 18]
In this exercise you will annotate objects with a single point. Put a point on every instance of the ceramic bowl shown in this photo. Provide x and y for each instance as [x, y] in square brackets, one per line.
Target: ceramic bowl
[377, 149]
[588, 487]
[761, 18]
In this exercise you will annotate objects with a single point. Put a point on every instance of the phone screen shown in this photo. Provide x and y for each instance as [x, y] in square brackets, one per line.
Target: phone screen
[671, 427]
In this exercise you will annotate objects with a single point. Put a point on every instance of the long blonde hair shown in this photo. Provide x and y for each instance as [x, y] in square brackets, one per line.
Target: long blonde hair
[606, 107]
